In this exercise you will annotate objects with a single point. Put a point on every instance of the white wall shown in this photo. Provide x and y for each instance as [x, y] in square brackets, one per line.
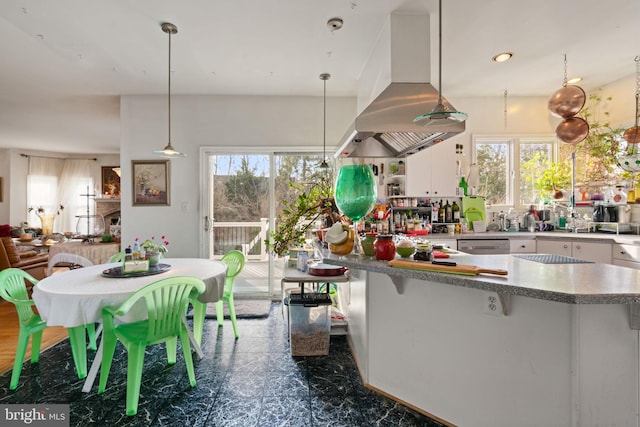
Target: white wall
[215, 121]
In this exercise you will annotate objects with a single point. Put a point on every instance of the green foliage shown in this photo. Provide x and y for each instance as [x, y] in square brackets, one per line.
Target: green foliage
[492, 164]
[296, 217]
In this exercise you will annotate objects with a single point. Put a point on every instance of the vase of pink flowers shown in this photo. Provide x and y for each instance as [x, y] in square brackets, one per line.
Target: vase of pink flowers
[154, 251]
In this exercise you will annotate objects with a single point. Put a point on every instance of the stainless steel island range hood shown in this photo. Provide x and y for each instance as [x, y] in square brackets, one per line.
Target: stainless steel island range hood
[385, 127]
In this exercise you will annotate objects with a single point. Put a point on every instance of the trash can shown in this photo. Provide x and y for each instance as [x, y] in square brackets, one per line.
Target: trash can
[309, 323]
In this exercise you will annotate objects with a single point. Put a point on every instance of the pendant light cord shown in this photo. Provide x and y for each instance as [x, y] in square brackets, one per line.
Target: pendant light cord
[440, 52]
[169, 90]
[324, 124]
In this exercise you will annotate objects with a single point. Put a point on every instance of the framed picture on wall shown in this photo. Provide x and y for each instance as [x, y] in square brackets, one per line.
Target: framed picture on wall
[150, 180]
[110, 182]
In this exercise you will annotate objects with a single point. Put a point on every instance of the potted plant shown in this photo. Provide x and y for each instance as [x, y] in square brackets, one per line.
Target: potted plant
[313, 201]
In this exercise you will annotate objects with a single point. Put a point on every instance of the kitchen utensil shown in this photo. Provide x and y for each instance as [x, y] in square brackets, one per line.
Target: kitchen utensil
[325, 270]
[572, 130]
[469, 270]
[567, 101]
[438, 254]
[473, 209]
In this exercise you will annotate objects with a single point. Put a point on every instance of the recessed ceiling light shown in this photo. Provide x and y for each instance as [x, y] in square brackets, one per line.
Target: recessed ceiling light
[502, 57]
[574, 80]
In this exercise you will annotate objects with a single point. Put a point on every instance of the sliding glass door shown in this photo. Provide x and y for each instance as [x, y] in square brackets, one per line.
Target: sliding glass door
[244, 194]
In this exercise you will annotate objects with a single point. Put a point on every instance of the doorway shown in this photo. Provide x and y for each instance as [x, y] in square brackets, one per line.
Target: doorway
[243, 197]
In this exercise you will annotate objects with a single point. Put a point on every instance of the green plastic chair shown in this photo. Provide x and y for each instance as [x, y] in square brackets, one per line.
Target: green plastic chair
[235, 263]
[166, 301]
[14, 289]
[119, 257]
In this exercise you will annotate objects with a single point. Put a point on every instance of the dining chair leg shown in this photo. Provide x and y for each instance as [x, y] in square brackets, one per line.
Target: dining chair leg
[171, 345]
[108, 344]
[219, 312]
[23, 342]
[199, 313]
[78, 349]
[36, 339]
[91, 332]
[188, 359]
[134, 377]
[232, 315]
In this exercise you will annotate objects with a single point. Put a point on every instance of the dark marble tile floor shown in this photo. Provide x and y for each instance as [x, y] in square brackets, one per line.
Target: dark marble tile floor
[253, 381]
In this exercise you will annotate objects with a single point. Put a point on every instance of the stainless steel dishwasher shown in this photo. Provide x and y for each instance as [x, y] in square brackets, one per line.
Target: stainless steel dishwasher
[483, 246]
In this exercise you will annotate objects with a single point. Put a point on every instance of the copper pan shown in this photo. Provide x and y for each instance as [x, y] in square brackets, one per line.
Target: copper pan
[572, 130]
[567, 101]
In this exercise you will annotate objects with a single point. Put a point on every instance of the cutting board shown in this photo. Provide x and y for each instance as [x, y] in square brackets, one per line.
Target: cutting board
[469, 270]
[473, 209]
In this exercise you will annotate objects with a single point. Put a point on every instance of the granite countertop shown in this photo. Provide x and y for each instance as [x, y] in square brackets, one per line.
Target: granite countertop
[581, 283]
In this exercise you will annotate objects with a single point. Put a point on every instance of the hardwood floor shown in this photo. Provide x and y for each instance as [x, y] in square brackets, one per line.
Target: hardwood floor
[9, 329]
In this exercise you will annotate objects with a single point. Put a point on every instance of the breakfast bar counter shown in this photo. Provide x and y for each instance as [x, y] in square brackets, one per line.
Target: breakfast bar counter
[547, 344]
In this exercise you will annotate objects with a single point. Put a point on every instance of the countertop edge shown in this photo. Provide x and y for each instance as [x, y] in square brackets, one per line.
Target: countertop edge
[489, 283]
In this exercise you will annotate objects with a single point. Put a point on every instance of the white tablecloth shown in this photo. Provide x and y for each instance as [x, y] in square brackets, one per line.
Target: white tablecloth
[76, 297]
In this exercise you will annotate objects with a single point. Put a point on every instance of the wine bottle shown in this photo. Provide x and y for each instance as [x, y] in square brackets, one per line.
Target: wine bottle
[456, 211]
[448, 213]
[441, 212]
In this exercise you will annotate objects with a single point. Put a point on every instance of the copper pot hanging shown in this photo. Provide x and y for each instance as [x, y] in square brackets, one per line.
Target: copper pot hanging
[567, 101]
[572, 130]
[632, 135]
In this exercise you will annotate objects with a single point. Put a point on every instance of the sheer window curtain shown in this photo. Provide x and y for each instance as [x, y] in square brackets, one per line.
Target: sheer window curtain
[55, 182]
[42, 186]
[76, 180]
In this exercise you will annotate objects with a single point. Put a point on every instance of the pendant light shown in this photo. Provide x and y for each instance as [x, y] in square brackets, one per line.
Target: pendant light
[168, 151]
[440, 116]
[324, 165]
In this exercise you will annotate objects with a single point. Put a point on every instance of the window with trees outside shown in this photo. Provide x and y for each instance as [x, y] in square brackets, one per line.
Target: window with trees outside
[509, 167]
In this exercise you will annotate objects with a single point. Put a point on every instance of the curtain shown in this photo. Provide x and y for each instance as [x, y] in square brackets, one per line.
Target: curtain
[67, 182]
[42, 186]
[76, 191]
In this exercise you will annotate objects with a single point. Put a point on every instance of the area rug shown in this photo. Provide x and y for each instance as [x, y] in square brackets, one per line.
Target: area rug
[245, 309]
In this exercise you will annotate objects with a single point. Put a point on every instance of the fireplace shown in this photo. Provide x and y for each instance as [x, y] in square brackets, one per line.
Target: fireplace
[109, 208]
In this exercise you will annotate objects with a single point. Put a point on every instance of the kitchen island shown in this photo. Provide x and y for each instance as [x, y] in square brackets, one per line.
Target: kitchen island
[546, 345]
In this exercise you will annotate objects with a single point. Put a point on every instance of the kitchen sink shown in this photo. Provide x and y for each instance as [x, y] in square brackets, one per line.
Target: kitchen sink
[553, 259]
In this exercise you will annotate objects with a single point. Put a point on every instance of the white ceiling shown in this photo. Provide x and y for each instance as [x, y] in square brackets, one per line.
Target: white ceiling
[65, 62]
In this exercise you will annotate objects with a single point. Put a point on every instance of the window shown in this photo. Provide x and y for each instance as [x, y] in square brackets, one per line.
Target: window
[508, 168]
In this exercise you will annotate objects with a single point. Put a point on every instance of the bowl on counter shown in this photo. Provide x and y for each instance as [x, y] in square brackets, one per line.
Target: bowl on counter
[405, 251]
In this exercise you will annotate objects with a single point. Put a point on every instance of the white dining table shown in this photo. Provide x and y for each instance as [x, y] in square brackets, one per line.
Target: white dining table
[75, 298]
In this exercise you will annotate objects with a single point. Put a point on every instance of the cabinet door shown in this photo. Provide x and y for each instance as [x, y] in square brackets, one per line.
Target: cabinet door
[589, 251]
[432, 172]
[626, 252]
[558, 247]
[522, 246]
[418, 174]
[443, 169]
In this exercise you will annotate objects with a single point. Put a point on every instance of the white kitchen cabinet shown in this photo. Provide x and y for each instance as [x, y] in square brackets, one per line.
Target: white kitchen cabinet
[626, 255]
[432, 172]
[588, 251]
[519, 246]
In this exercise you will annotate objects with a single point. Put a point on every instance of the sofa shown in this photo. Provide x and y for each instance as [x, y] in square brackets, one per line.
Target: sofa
[30, 261]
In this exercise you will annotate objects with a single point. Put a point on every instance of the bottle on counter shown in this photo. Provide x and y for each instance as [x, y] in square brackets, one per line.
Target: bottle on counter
[448, 213]
[441, 212]
[455, 209]
[434, 212]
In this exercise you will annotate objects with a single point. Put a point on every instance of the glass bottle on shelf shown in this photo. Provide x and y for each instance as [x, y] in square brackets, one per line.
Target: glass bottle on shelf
[448, 213]
[456, 211]
[463, 186]
[441, 212]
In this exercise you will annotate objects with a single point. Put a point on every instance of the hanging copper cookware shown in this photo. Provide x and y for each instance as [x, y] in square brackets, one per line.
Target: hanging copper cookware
[572, 130]
[632, 135]
[567, 101]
